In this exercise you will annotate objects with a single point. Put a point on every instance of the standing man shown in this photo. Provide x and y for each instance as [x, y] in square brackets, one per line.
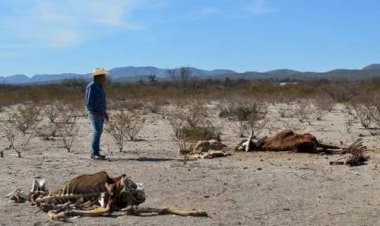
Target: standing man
[96, 108]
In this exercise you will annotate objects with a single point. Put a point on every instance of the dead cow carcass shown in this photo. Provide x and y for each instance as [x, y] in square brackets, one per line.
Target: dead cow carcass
[94, 195]
[205, 149]
[286, 140]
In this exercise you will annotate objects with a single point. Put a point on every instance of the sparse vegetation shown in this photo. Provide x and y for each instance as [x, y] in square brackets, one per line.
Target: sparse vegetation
[304, 111]
[342, 93]
[68, 132]
[124, 125]
[249, 115]
[191, 124]
[21, 127]
[365, 114]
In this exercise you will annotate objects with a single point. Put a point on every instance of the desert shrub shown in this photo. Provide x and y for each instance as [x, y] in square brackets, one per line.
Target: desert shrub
[135, 124]
[201, 133]
[342, 92]
[124, 125]
[191, 124]
[21, 127]
[68, 133]
[59, 115]
[366, 113]
[25, 117]
[324, 103]
[52, 111]
[373, 104]
[303, 111]
[247, 114]
[49, 130]
[252, 120]
[156, 106]
[178, 125]
[66, 125]
[376, 117]
[69, 113]
[117, 127]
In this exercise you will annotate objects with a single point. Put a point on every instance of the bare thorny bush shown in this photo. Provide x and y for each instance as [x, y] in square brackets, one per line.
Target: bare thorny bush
[322, 105]
[124, 125]
[342, 93]
[248, 115]
[62, 122]
[52, 113]
[178, 126]
[21, 127]
[69, 132]
[367, 111]
[191, 124]
[304, 111]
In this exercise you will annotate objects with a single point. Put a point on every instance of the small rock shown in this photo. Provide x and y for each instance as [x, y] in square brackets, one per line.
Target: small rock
[259, 168]
[245, 167]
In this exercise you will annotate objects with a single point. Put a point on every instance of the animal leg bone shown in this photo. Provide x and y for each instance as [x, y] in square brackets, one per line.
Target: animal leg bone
[248, 144]
[54, 215]
[164, 211]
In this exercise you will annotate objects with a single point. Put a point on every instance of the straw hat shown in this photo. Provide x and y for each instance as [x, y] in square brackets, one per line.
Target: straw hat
[99, 71]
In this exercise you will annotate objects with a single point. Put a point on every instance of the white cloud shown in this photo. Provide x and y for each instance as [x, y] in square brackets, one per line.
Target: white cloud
[8, 54]
[201, 13]
[259, 7]
[67, 23]
[208, 11]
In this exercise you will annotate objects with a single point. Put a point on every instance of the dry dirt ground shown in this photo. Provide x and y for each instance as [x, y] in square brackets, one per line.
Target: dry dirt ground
[243, 189]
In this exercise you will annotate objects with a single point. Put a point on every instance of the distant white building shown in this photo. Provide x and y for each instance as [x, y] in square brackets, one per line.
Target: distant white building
[288, 83]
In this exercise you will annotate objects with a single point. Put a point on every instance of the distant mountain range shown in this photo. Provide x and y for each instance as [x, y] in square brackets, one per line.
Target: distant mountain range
[135, 73]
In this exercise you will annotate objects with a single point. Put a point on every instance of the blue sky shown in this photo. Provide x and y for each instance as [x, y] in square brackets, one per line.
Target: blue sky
[54, 36]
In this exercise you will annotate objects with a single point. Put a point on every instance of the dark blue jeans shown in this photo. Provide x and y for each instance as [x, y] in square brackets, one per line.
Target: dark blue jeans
[97, 129]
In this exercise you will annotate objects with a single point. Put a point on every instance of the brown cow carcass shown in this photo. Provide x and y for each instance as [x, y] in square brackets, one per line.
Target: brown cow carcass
[286, 140]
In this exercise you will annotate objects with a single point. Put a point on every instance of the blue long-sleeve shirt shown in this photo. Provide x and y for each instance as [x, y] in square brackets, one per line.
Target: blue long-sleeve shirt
[95, 98]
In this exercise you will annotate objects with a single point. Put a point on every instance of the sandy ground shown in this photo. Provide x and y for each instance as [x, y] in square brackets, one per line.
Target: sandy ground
[243, 189]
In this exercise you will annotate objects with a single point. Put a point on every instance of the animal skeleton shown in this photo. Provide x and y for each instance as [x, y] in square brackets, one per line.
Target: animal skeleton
[356, 155]
[205, 149]
[93, 195]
